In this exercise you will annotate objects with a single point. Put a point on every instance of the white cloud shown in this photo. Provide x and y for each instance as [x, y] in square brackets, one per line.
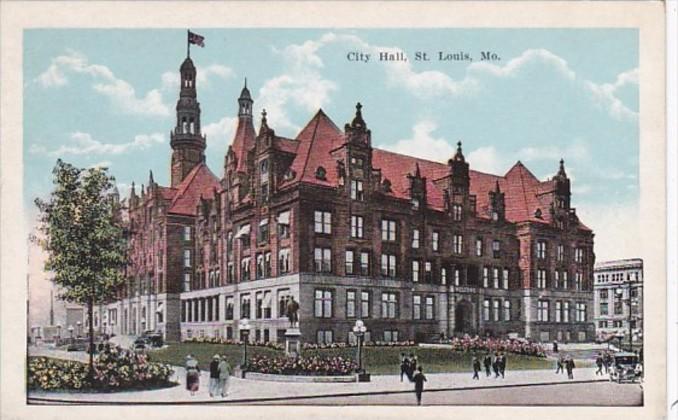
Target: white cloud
[605, 95]
[102, 164]
[83, 144]
[423, 144]
[616, 230]
[219, 134]
[488, 159]
[528, 57]
[121, 93]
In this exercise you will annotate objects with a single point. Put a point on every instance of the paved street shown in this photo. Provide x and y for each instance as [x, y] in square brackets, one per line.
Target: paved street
[581, 394]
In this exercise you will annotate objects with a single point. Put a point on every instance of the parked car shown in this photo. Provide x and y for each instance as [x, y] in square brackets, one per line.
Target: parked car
[153, 338]
[77, 345]
[625, 367]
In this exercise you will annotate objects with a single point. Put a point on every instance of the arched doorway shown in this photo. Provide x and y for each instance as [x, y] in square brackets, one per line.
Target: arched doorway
[463, 317]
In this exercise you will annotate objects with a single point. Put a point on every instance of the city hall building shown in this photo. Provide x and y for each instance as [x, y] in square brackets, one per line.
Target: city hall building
[412, 247]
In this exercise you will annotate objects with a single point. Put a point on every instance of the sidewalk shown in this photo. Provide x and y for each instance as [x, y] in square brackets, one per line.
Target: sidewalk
[247, 391]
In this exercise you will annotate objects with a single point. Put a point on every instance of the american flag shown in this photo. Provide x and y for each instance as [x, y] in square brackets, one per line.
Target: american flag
[196, 39]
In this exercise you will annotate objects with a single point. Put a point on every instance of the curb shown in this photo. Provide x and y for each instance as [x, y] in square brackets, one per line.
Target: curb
[48, 401]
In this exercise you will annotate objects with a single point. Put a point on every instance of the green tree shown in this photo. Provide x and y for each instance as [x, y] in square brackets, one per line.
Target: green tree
[83, 236]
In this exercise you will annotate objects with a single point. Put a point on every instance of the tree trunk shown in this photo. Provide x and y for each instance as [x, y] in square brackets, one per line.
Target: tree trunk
[90, 313]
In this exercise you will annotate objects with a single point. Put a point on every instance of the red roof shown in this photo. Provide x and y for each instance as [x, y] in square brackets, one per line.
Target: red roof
[200, 182]
[243, 141]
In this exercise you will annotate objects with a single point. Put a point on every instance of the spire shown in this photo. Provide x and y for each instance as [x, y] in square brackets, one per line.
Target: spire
[459, 156]
[496, 187]
[133, 192]
[245, 102]
[150, 178]
[561, 169]
[417, 172]
[358, 121]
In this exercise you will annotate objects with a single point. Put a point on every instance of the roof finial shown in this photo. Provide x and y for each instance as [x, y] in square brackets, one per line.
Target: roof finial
[150, 178]
[496, 187]
[358, 121]
[417, 172]
[245, 82]
[561, 169]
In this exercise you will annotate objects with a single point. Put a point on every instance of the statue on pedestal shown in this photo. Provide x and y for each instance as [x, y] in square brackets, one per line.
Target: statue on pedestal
[292, 309]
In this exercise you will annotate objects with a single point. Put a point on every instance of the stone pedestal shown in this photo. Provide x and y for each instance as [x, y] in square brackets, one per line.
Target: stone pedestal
[292, 342]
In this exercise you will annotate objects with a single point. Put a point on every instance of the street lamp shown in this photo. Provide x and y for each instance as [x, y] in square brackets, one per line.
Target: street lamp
[78, 331]
[58, 333]
[244, 326]
[70, 332]
[359, 330]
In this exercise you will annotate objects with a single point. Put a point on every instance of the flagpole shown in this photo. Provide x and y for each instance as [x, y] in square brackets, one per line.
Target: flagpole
[188, 44]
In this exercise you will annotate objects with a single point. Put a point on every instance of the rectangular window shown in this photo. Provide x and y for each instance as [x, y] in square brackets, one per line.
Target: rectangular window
[560, 253]
[496, 249]
[566, 311]
[187, 258]
[364, 263]
[415, 238]
[486, 310]
[507, 310]
[322, 222]
[415, 271]
[187, 233]
[284, 261]
[579, 281]
[357, 192]
[325, 337]
[541, 250]
[356, 226]
[457, 277]
[618, 310]
[245, 269]
[559, 308]
[388, 265]
[541, 279]
[365, 304]
[429, 308]
[581, 312]
[263, 231]
[283, 221]
[283, 298]
[428, 272]
[564, 279]
[416, 307]
[604, 308]
[228, 310]
[323, 303]
[350, 304]
[323, 260]
[388, 230]
[443, 276]
[434, 240]
[543, 311]
[259, 305]
[457, 244]
[389, 304]
[486, 277]
[245, 309]
[260, 266]
[391, 336]
[579, 255]
[479, 247]
[495, 278]
[187, 282]
[505, 279]
[495, 309]
[556, 279]
[349, 263]
[456, 212]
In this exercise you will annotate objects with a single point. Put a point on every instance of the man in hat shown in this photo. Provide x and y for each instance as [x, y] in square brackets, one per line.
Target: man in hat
[214, 375]
[487, 361]
[599, 363]
[476, 367]
[419, 380]
[404, 365]
[224, 375]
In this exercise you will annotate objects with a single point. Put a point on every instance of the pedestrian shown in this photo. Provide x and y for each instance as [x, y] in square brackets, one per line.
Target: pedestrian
[502, 364]
[476, 367]
[560, 364]
[412, 367]
[599, 363]
[192, 374]
[224, 375]
[214, 376]
[555, 346]
[569, 365]
[404, 365]
[419, 380]
[495, 365]
[606, 362]
[487, 361]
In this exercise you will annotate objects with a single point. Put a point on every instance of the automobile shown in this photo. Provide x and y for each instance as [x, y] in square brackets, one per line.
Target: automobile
[625, 367]
[153, 338]
[140, 344]
[79, 345]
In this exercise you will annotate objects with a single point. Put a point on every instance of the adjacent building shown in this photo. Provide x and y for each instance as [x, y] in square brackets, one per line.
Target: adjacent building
[414, 248]
[618, 299]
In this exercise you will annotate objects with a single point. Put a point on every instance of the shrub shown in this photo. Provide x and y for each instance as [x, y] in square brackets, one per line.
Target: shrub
[476, 343]
[313, 366]
[113, 370]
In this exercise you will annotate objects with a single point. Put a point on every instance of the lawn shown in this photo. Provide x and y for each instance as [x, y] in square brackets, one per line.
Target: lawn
[377, 360]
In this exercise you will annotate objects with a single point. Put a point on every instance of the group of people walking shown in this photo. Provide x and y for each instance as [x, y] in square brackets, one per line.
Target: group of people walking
[565, 363]
[493, 363]
[220, 372]
[604, 360]
[410, 367]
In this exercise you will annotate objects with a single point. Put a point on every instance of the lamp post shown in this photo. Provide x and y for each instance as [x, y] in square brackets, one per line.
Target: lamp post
[244, 326]
[70, 332]
[77, 331]
[359, 330]
[58, 333]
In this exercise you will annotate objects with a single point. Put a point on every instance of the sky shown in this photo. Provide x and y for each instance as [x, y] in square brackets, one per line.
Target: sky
[107, 98]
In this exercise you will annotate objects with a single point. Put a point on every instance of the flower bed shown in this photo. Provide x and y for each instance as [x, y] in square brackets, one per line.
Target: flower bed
[221, 340]
[115, 370]
[315, 366]
[476, 343]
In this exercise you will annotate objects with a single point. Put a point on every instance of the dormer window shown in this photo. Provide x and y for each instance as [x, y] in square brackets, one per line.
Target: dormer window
[321, 173]
[386, 185]
[537, 214]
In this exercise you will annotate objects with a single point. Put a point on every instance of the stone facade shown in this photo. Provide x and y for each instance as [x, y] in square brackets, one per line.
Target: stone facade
[618, 299]
[414, 248]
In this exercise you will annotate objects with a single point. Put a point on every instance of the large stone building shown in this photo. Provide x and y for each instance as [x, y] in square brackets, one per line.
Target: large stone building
[412, 247]
[618, 299]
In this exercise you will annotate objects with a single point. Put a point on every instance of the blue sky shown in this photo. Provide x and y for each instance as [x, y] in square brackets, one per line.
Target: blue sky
[107, 97]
